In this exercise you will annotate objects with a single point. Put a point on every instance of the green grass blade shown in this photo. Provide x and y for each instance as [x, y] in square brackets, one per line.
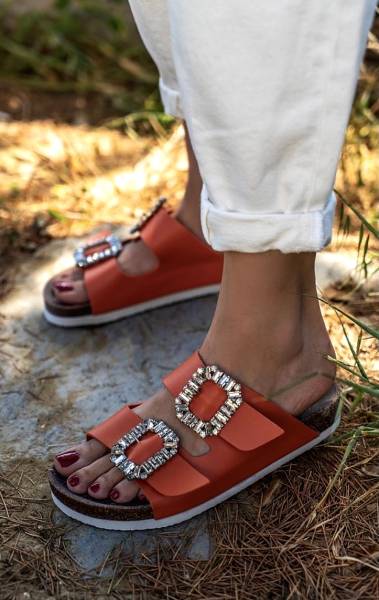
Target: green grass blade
[371, 330]
[352, 350]
[367, 224]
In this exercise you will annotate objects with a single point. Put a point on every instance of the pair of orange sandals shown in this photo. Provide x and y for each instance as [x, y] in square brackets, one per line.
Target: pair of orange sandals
[248, 435]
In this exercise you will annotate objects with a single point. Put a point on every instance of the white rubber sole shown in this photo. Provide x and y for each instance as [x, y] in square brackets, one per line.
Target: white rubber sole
[115, 315]
[193, 512]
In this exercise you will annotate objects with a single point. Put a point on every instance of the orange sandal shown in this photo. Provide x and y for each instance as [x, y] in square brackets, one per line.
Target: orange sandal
[248, 437]
[188, 268]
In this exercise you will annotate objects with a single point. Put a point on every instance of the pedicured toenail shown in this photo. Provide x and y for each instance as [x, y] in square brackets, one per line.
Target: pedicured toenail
[115, 494]
[74, 481]
[66, 459]
[94, 487]
[61, 286]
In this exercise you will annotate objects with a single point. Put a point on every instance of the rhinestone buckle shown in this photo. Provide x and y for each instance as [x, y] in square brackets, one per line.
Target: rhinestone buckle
[225, 412]
[84, 260]
[147, 216]
[130, 469]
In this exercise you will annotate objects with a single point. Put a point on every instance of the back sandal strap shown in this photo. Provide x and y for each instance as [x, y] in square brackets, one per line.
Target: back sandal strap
[176, 249]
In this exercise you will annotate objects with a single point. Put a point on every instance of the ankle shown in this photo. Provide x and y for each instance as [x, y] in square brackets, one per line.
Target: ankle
[285, 360]
[247, 346]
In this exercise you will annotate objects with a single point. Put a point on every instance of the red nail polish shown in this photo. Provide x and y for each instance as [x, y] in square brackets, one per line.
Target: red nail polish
[66, 459]
[62, 286]
[141, 496]
[114, 494]
[94, 487]
[74, 480]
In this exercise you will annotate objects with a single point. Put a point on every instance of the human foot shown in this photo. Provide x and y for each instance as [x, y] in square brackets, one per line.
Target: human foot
[173, 472]
[136, 258]
[295, 375]
[168, 264]
[88, 468]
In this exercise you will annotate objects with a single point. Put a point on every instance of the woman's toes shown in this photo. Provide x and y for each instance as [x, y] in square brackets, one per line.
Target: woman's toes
[124, 491]
[81, 480]
[69, 275]
[75, 458]
[102, 486]
[70, 291]
[63, 286]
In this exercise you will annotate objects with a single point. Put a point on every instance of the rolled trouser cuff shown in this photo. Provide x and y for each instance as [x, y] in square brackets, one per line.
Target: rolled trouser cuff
[288, 232]
[170, 100]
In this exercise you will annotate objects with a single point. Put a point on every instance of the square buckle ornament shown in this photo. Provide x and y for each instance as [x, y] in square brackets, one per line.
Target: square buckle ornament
[132, 470]
[84, 259]
[224, 413]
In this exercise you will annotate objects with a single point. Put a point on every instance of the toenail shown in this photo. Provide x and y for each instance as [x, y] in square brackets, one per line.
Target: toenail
[62, 286]
[67, 458]
[115, 494]
[74, 480]
[94, 487]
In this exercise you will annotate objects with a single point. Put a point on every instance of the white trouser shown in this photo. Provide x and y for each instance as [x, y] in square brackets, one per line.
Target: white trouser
[266, 89]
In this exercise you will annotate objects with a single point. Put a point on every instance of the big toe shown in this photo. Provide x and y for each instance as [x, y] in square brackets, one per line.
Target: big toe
[77, 457]
[69, 291]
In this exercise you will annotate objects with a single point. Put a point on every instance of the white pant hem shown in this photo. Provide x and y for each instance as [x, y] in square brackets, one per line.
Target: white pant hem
[257, 232]
[170, 100]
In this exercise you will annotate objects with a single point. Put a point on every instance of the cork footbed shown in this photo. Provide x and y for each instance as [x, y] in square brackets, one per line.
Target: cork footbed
[105, 509]
[321, 416]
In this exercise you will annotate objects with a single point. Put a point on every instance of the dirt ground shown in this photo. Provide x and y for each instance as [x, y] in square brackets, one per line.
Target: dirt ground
[310, 531]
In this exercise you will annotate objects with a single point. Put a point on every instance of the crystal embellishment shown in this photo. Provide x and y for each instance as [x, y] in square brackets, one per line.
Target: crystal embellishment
[223, 414]
[147, 216]
[84, 259]
[132, 470]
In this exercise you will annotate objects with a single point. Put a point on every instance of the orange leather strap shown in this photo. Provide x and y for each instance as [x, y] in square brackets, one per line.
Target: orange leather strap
[185, 262]
[163, 233]
[259, 434]
[165, 480]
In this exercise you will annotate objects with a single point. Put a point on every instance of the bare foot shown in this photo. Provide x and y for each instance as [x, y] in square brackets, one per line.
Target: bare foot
[135, 259]
[88, 465]
[268, 330]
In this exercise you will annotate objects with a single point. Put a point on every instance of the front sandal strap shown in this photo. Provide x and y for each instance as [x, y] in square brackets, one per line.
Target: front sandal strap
[143, 440]
[104, 246]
